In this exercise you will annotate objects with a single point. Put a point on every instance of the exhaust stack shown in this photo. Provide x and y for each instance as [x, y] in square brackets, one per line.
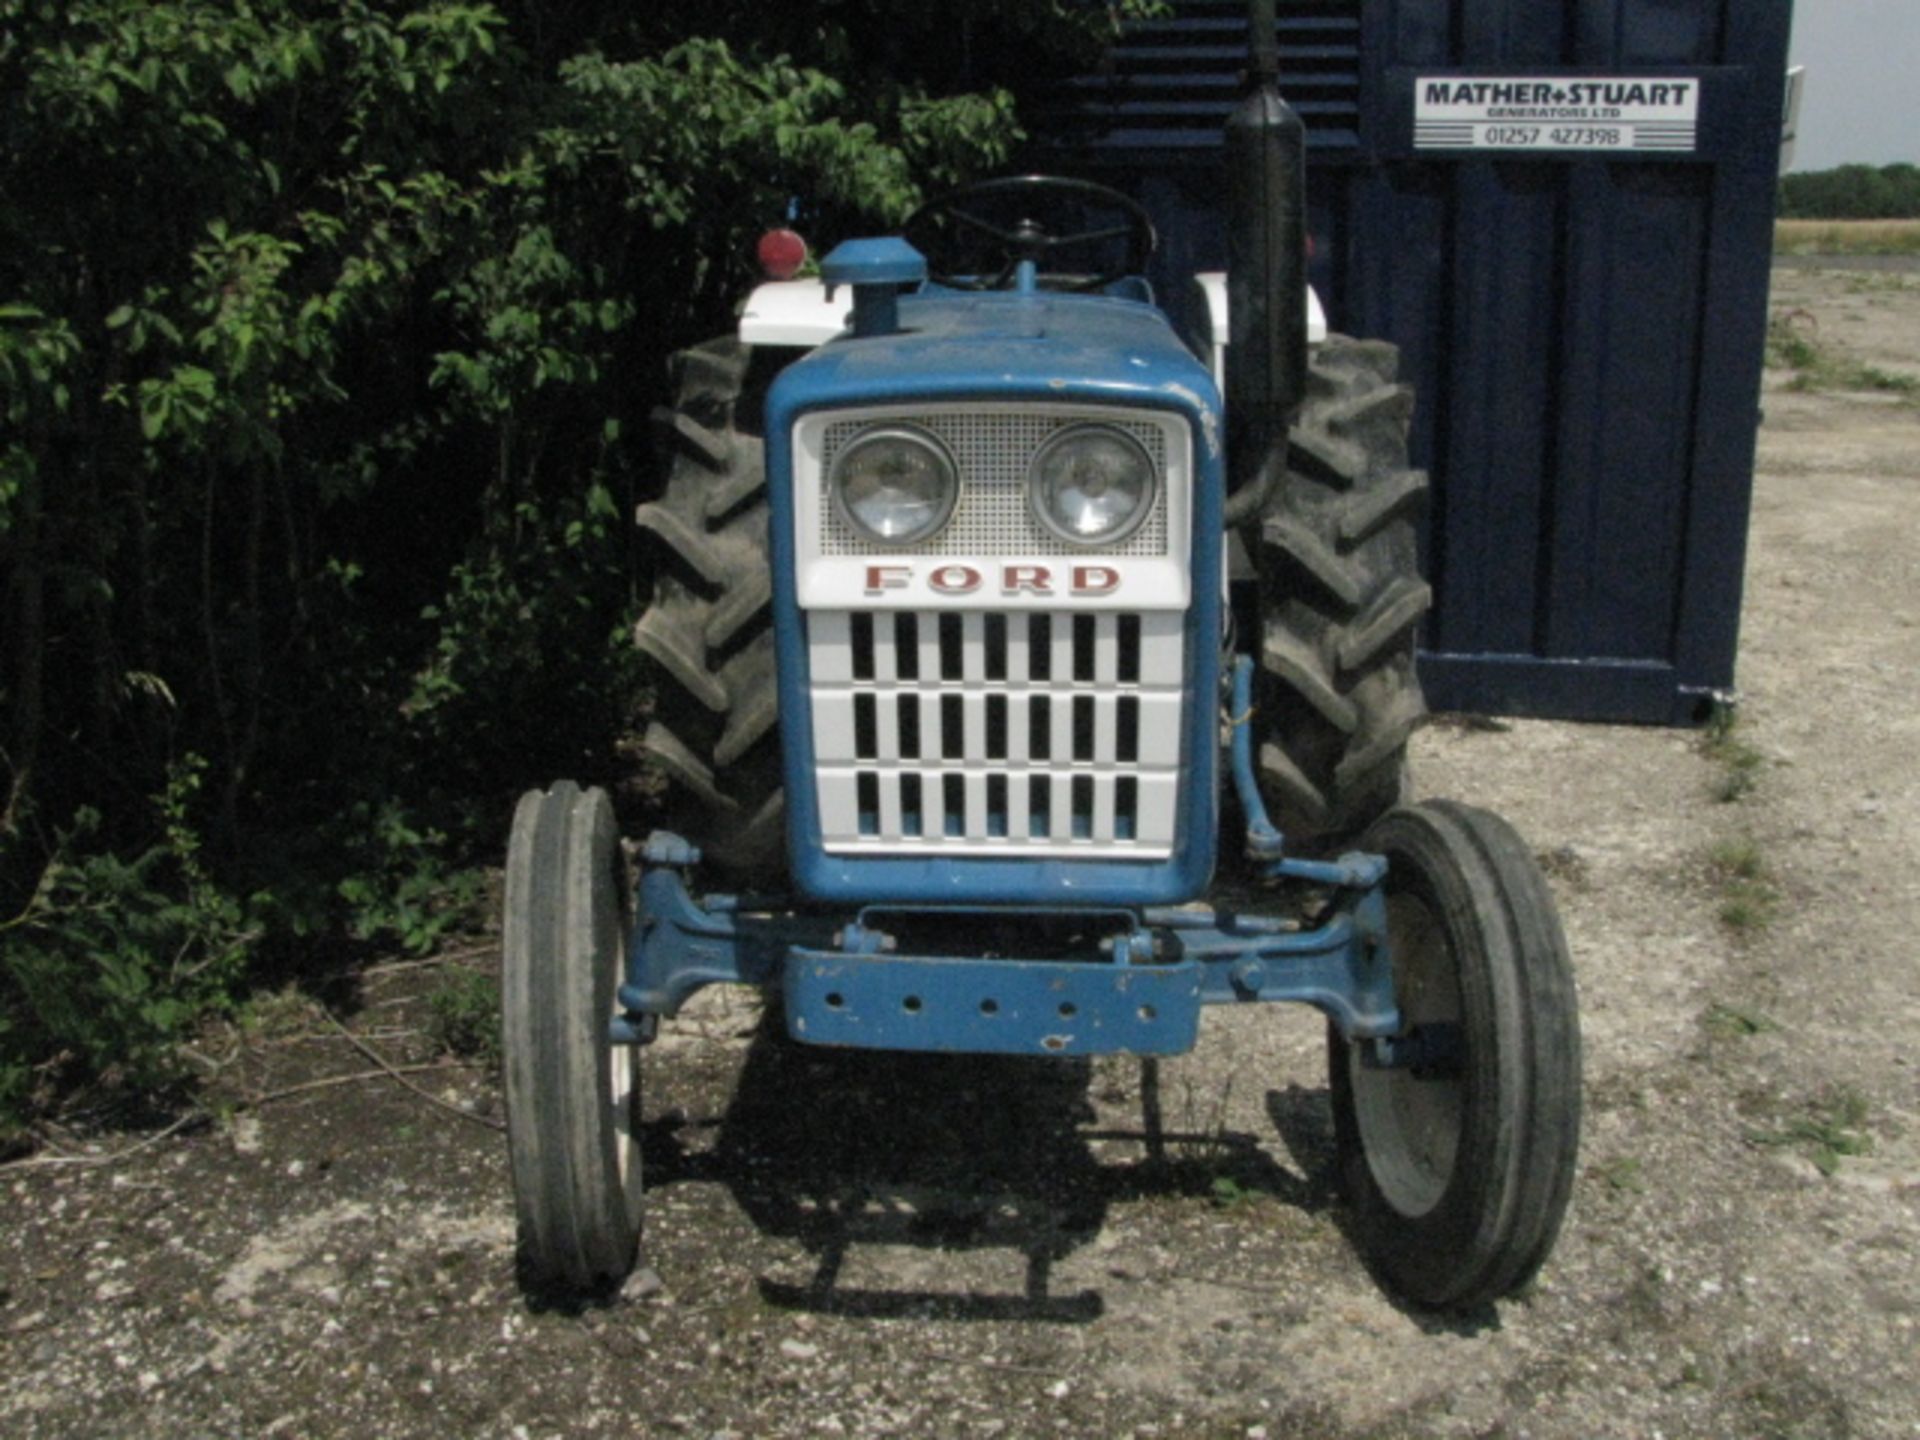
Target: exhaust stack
[1266, 274]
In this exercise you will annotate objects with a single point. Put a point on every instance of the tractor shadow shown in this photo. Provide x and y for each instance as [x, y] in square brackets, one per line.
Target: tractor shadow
[857, 1153]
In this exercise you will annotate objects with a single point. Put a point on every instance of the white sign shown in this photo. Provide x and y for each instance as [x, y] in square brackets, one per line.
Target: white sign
[1563, 112]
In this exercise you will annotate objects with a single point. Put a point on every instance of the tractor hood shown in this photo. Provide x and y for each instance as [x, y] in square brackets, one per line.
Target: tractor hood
[943, 354]
[1035, 345]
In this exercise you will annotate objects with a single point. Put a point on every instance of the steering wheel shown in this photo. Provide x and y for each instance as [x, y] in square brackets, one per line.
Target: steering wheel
[1007, 214]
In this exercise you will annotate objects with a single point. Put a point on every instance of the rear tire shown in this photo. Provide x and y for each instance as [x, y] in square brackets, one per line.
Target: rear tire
[1340, 599]
[709, 628]
[1459, 1172]
[573, 1096]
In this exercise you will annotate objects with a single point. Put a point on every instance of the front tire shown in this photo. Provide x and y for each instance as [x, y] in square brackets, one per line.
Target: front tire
[1459, 1170]
[573, 1096]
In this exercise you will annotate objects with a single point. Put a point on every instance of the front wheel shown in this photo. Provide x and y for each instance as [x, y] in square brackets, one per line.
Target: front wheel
[572, 1095]
[1459, 1166]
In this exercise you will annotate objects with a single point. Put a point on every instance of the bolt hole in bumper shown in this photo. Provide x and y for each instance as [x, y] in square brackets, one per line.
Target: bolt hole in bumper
[1007, 1007]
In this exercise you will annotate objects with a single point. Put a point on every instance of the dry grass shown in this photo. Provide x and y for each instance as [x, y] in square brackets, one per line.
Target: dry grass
[1847, 237]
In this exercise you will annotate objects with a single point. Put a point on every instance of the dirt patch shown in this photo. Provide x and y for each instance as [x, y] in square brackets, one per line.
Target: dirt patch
[865, 1245]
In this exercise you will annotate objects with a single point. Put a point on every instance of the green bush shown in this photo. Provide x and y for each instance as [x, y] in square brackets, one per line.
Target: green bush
[407, 894]
[328, 337]
[113, 962]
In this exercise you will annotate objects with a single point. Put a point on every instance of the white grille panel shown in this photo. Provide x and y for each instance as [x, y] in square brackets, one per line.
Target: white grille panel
[993, 449]
[996, 733]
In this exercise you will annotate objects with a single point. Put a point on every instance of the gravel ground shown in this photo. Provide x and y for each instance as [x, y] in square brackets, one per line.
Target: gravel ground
[861, 1245]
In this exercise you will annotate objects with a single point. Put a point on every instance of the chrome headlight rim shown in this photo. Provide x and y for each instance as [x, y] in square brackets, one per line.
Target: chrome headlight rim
[914, 435]
[1108, 539]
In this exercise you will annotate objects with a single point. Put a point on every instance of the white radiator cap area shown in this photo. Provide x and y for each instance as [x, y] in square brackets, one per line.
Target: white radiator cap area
[794, 312]
[1213, 286]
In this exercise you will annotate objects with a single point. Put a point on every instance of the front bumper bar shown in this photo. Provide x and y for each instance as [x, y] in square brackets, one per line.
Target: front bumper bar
[1140, 990]
[1003, 1007]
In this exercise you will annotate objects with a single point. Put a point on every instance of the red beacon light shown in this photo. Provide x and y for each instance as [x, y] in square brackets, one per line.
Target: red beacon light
[781, 254]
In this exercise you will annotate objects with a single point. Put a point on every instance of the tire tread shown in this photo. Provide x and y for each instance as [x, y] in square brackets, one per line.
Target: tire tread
[562, 946]
[1502, 1211]
[1341, 602]
[709, 627]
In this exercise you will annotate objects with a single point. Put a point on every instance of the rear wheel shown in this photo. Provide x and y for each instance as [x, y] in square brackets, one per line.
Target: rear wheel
[572, 1095]
[1459, 1166]
[709, 628]
[1341, 597]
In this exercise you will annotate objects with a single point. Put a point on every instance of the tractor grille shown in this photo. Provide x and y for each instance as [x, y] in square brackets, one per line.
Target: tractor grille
[997, 733]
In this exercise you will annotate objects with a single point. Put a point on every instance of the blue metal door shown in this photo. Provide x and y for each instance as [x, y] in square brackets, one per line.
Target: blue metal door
[1562, 213]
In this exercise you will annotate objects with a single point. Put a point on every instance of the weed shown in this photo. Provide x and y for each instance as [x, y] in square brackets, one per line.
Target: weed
[1832, 1127]
[465, 1015]
[1868, 283]
[1817, 366]
[1745, 913]
[1747, 907]
[1789, 347]
[1872, 377]
[276, 1013]
[1734, 1022]
[1566, 863]
[1740, 771]
[1200, 1138]
[1229, 1194]
[1739, 763]
[1739, 859]
[1622, 1174]
[1748, 896]
[14, 1082]
[1645, 1305]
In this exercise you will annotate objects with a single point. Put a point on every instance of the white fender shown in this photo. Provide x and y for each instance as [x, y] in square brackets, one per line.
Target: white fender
[1213, 287]
[794, 312]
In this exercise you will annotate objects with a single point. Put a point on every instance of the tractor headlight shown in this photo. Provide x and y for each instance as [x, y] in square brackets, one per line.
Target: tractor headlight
[895, 485]
[1092, 484]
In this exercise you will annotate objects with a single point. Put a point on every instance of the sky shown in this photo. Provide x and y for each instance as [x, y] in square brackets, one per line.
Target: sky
[1862, 100]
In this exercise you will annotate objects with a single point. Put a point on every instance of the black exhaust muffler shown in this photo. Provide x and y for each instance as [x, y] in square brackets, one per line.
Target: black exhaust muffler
[1266, 149]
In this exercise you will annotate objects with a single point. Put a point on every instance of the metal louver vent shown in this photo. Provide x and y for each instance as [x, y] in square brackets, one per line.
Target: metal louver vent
[1022, 735]
[1172, 82]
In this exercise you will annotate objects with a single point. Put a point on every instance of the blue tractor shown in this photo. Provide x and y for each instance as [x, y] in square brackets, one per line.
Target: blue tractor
[987, 605]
